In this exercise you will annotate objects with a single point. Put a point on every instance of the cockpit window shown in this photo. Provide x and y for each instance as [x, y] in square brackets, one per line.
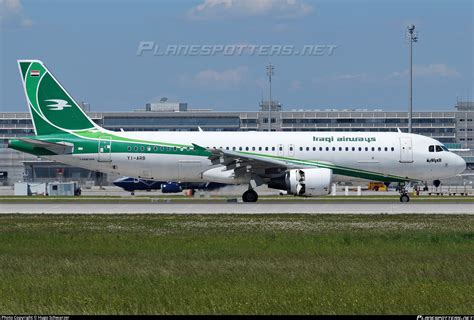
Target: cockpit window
[431, 148]
[438, 149]
[444, 148]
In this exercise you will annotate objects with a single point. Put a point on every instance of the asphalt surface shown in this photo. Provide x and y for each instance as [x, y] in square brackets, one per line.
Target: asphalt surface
[389, 207]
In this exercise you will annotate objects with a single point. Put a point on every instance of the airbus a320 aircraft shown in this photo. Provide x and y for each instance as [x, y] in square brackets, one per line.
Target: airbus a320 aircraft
[302, 163]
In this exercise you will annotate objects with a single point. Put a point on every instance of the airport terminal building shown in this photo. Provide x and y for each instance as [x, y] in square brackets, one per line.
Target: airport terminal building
[453, 128]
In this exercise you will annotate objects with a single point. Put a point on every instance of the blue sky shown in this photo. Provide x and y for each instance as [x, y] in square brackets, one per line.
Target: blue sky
[91, 47]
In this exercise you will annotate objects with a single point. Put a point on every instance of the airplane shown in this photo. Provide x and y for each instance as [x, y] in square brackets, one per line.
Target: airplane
[301, 163]
[133, 184]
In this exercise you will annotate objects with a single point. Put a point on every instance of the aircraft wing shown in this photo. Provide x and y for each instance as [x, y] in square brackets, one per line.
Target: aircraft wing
[58, 148]
[242, 161]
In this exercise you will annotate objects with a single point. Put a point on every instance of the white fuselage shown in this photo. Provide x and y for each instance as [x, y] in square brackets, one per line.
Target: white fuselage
[399, 154]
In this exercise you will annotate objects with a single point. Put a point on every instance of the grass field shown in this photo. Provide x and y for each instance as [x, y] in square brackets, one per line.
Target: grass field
[237, 264]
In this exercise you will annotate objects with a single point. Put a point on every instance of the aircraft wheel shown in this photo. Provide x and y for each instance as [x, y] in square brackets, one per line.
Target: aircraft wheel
[404, 198]
[250, 196]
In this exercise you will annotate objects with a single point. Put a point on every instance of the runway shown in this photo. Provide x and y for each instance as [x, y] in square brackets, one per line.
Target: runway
[240, 208]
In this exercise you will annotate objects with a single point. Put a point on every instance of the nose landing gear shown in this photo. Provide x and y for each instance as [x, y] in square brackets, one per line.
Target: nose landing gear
[404, 197]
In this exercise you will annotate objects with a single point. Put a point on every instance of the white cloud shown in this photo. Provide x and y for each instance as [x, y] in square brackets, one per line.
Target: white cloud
[216, 79]
[261, 83]
[343, 77]
[11, 13]
[281, 27]
[220, 9]
[438, 70]
[357, 76]
[11, 5]
[296, 85]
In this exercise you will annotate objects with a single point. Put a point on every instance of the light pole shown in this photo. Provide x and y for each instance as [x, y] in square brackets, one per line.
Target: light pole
[270, 73]
[412, 36]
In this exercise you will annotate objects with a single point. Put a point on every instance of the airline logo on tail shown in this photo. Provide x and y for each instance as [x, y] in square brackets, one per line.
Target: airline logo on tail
[59, 104]
[53, 110]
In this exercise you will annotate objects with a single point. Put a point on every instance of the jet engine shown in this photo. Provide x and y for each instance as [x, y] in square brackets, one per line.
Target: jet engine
[305, 182]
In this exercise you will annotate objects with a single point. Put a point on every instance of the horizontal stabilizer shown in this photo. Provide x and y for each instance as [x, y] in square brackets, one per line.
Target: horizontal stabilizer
[55, 147]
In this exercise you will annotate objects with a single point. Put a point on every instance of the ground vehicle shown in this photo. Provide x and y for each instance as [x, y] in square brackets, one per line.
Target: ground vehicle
[377, 186]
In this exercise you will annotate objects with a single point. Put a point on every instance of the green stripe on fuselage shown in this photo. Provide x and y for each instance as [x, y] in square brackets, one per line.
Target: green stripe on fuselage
[86, 142]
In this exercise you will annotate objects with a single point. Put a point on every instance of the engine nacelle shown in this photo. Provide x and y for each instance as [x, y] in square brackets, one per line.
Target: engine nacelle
[308, 182]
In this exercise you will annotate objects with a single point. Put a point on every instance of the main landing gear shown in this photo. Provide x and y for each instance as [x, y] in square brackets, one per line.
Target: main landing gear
[250, 196]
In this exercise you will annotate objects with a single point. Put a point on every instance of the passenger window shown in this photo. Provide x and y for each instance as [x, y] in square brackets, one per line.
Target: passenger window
[353, 149]
[280, 148]
[161, 148]
[386, 149]
[129, 148]
[340, 148]
[260, 149]
[347, 148]
[366, 149]
[273, 148]
[438, 149]
[266, 148]
[142, 148]
[301, 148]
[392, 148]
[380, 149]
[314, 148]
[373, 149]
[333, 148]
[240, 148]
[431, 148]
[307, 148]
[246, 148]
[253, 148]
[291, 148]
[360, 149]
[320, 148]
[327, 148]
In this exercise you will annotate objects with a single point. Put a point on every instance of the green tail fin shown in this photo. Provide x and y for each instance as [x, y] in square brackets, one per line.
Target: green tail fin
[52, 109]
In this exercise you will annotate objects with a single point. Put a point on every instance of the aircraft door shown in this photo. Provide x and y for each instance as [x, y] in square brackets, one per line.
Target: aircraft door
[406, 150]
[104, 149]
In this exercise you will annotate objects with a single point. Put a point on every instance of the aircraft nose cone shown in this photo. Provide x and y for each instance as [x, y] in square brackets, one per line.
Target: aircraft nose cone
[460, 164]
